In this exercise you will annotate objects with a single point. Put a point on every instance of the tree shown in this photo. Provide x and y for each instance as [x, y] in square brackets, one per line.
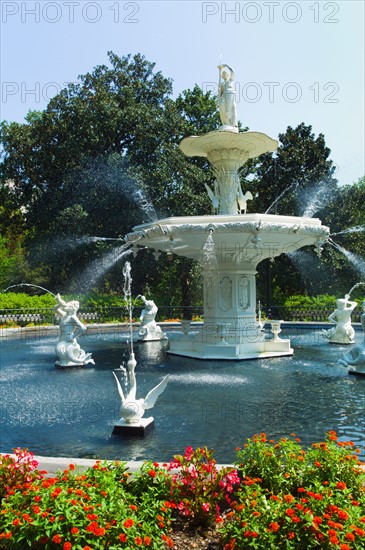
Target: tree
[69, 163]
[298, 170]
[296, 180]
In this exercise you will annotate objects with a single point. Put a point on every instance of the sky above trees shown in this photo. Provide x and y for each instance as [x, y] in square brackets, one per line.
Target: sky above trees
[294, 61]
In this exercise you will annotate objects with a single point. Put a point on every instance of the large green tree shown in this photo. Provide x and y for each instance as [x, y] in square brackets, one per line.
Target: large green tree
[100, 153]
[298, 179]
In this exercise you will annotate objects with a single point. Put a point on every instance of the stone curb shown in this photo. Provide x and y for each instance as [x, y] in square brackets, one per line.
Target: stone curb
[53, 464]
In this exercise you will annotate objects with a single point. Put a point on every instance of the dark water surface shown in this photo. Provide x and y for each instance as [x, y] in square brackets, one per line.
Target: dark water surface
[71, 412]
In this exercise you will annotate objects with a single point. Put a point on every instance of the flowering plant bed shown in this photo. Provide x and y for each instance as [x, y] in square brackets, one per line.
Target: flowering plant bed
[277, 496]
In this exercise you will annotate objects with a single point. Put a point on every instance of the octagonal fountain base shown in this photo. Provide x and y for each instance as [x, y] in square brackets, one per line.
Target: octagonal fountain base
[204, 345]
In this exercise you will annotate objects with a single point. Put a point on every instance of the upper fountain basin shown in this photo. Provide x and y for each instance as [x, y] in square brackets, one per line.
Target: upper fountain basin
[239, 239]
[224, 145]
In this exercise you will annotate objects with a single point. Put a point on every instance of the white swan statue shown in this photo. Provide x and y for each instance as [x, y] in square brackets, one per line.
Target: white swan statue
[133, 409]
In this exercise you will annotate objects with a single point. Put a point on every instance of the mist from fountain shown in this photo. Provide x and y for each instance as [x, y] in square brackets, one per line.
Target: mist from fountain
[316, 199]
[27, 284]
[291, 186]
[140, 197]
[361, 283]
[355, 229]
[100, 266]
[127, 291]
[356, 260]
[307, 265]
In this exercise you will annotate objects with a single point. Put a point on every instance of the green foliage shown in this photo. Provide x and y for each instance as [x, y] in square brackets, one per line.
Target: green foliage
[322, 301]
[297, 499]
[21, 300]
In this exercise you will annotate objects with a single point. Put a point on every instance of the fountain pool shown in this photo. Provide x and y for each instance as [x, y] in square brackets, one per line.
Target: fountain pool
[71, 412]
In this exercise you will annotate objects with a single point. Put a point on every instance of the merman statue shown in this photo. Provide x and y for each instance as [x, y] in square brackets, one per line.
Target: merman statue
[148, 329]
[68, 350]
[343, 332]
[355, 357]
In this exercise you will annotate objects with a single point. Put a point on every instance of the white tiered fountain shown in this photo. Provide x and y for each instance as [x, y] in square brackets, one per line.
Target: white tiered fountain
[230, 244]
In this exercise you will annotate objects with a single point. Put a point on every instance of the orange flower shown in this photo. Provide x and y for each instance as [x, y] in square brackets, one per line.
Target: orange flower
[147, 541]
[341, 485]
[274, 526]
[288, 498]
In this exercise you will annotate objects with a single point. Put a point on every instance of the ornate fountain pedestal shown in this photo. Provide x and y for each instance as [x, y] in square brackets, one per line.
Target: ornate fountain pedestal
[229, 248]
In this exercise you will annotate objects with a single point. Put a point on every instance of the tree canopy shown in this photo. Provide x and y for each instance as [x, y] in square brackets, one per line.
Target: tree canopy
[103, 156]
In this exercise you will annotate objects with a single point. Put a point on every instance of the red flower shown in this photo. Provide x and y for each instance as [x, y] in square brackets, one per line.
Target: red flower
[341, 485]
[128, 523]
[274, 526]
[138, 541]
[152, 473]
[67, 546]
[122, 537]
[147, 541]
[72, 466]
[74, 530]
[57, 539]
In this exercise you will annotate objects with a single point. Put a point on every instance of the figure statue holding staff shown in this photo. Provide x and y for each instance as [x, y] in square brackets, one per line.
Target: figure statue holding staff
[227, 98]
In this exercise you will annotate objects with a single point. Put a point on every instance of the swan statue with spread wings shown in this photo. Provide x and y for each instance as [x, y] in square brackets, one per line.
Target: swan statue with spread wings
[132, 408]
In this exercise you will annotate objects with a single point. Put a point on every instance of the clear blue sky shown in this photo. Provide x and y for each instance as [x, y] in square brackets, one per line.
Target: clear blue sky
[294, 61]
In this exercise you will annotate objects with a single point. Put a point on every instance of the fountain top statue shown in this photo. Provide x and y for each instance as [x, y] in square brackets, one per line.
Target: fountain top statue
[227, 99]
[227, 149]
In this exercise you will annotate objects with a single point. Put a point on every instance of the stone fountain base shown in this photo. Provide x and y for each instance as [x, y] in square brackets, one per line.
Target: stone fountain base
[201, 346]
[140, 428]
